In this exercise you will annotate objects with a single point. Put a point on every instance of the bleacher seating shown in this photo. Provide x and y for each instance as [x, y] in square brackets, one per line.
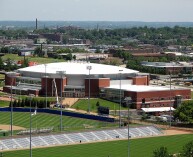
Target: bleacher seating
[24, 142]
[73, 138]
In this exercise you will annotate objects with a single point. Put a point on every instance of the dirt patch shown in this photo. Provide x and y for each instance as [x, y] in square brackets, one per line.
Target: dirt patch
[176, 132]
[69, 101]
[7, 127]
[5, 98]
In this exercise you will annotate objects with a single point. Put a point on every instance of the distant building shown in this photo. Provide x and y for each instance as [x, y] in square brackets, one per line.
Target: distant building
[155, 55]
[171, 67]
[53, 37]
[41, 41]
[79, 41]
[19, 43]
[33, 36]
[25, 53]
[69, 28]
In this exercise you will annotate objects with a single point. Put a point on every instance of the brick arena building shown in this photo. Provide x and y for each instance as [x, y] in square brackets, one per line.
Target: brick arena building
[79, 79]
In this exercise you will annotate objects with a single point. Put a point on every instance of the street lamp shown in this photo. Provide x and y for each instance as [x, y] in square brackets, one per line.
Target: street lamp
[61, 73]
[89, 67]
[46, 83]
[120, 98]
[31, 96]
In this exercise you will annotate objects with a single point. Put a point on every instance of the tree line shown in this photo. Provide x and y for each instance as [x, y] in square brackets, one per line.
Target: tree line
[34, 103]
[157, 36]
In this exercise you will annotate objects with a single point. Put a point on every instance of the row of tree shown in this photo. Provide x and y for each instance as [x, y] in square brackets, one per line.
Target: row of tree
[34, 103]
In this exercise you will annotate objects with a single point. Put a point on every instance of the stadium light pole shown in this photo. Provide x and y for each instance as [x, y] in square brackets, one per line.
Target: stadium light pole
[170, 101]
[31, 96]
[129, 102]
[89, 67]
[11, 108]
[18, 85]
[46, 82]
[120, 98]
[12, 74]
[61, 73]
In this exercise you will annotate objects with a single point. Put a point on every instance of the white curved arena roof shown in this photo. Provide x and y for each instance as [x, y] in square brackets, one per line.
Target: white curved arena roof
[74, 68]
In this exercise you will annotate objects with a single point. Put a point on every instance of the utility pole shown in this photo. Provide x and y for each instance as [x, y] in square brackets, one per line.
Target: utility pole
[46, 83]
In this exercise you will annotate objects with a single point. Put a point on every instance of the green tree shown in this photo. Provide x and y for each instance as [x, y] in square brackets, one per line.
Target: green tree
[25, 63]
[9, 64]
[1, 64]
[19, 103]
[187, 150]
[185, 112]
[69, 56]
[5, 50]
[161, 152]
[38, 51]
[22, 103]
[15, 103]
[98, 50]
[98, 103]
[74, 57]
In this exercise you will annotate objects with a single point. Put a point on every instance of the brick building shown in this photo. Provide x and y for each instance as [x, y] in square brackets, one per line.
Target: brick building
[81, 79]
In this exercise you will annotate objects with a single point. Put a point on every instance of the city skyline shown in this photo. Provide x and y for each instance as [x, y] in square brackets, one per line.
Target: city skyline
[100, 10]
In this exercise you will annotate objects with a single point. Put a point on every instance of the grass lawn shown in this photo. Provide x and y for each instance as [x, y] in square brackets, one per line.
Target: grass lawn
[138, 148]
[4, 104]
[40, 60]
[2, 77]
[82, 104]
[50, 120]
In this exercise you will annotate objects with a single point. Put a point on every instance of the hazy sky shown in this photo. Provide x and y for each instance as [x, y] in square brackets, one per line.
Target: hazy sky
[98, 10]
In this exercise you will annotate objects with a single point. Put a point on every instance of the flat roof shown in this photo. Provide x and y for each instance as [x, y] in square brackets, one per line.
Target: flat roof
[77, 68]
[138, 88]
[158, 109]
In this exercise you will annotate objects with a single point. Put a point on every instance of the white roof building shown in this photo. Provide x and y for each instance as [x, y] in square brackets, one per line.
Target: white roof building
[74, 68]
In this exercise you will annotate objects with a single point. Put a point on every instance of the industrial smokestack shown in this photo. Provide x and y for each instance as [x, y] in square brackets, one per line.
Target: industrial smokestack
[36, 23]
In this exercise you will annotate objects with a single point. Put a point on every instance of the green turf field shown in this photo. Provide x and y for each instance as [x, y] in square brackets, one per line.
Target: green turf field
[50, 120]
[138, 148]
[4, 103]
[82, 104]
